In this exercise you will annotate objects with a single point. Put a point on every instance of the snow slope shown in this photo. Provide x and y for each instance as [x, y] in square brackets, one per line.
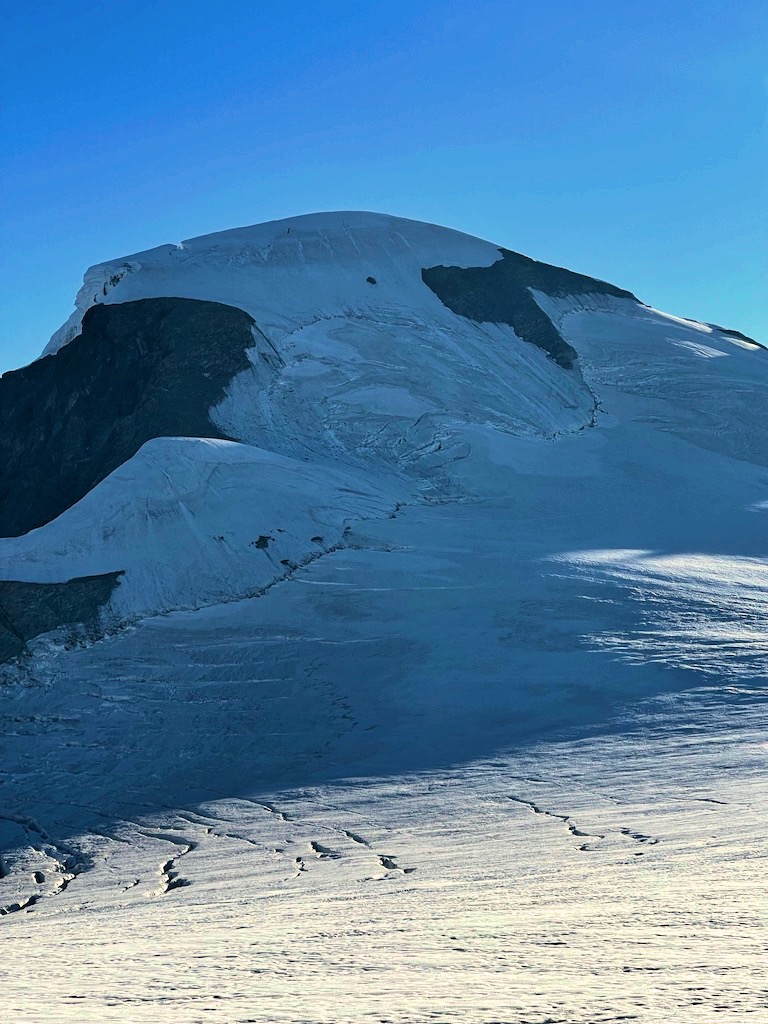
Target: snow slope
[195, 521]
[284, 272]
[427, 694]
[371, 358]
[356, 368]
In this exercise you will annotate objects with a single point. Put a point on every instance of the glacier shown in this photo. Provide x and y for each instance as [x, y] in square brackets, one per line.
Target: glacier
[429, 680]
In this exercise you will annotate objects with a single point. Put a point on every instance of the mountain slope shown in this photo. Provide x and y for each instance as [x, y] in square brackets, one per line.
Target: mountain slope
[148, 369]
[378, 589]
[351, 353]
[321, 337]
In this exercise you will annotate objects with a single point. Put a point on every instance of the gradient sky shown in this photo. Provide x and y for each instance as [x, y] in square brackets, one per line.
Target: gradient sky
[627, 142]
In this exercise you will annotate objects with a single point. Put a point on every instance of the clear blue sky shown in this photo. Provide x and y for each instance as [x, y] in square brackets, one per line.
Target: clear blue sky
[627, 141]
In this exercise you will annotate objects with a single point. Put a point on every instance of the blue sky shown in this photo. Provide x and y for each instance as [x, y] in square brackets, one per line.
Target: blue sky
[625, 141]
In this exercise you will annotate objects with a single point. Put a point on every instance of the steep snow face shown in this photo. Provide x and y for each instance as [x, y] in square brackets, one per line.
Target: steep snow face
[288, 272]
[378, 360]
[402, 390]
[315, 342]
[193, 522]
[372, 360]
[320, 335]
[697, 381]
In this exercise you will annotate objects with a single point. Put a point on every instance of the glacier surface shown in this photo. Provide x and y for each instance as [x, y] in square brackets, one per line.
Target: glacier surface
[436, 693]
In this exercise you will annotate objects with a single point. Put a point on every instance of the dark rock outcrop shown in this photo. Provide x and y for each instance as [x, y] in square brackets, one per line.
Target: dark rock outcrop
[29, 609]
[500, 294]
[142, 369]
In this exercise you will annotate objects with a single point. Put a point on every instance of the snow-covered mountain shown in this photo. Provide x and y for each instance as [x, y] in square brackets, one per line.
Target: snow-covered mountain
[379, 360]
[351, 497]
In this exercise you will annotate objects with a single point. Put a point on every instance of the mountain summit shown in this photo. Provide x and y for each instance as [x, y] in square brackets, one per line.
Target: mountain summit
[284, 379]
[377, 603]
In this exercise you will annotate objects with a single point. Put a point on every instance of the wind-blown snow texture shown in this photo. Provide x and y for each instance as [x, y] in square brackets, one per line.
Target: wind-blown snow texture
[410, 670]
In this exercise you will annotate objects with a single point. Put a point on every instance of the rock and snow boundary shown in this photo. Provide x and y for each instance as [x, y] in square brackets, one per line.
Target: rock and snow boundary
[425, 660]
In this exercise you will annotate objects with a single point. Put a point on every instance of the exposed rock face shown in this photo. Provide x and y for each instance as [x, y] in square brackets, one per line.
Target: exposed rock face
[500, 294]
[142, 369]
[29, 609]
